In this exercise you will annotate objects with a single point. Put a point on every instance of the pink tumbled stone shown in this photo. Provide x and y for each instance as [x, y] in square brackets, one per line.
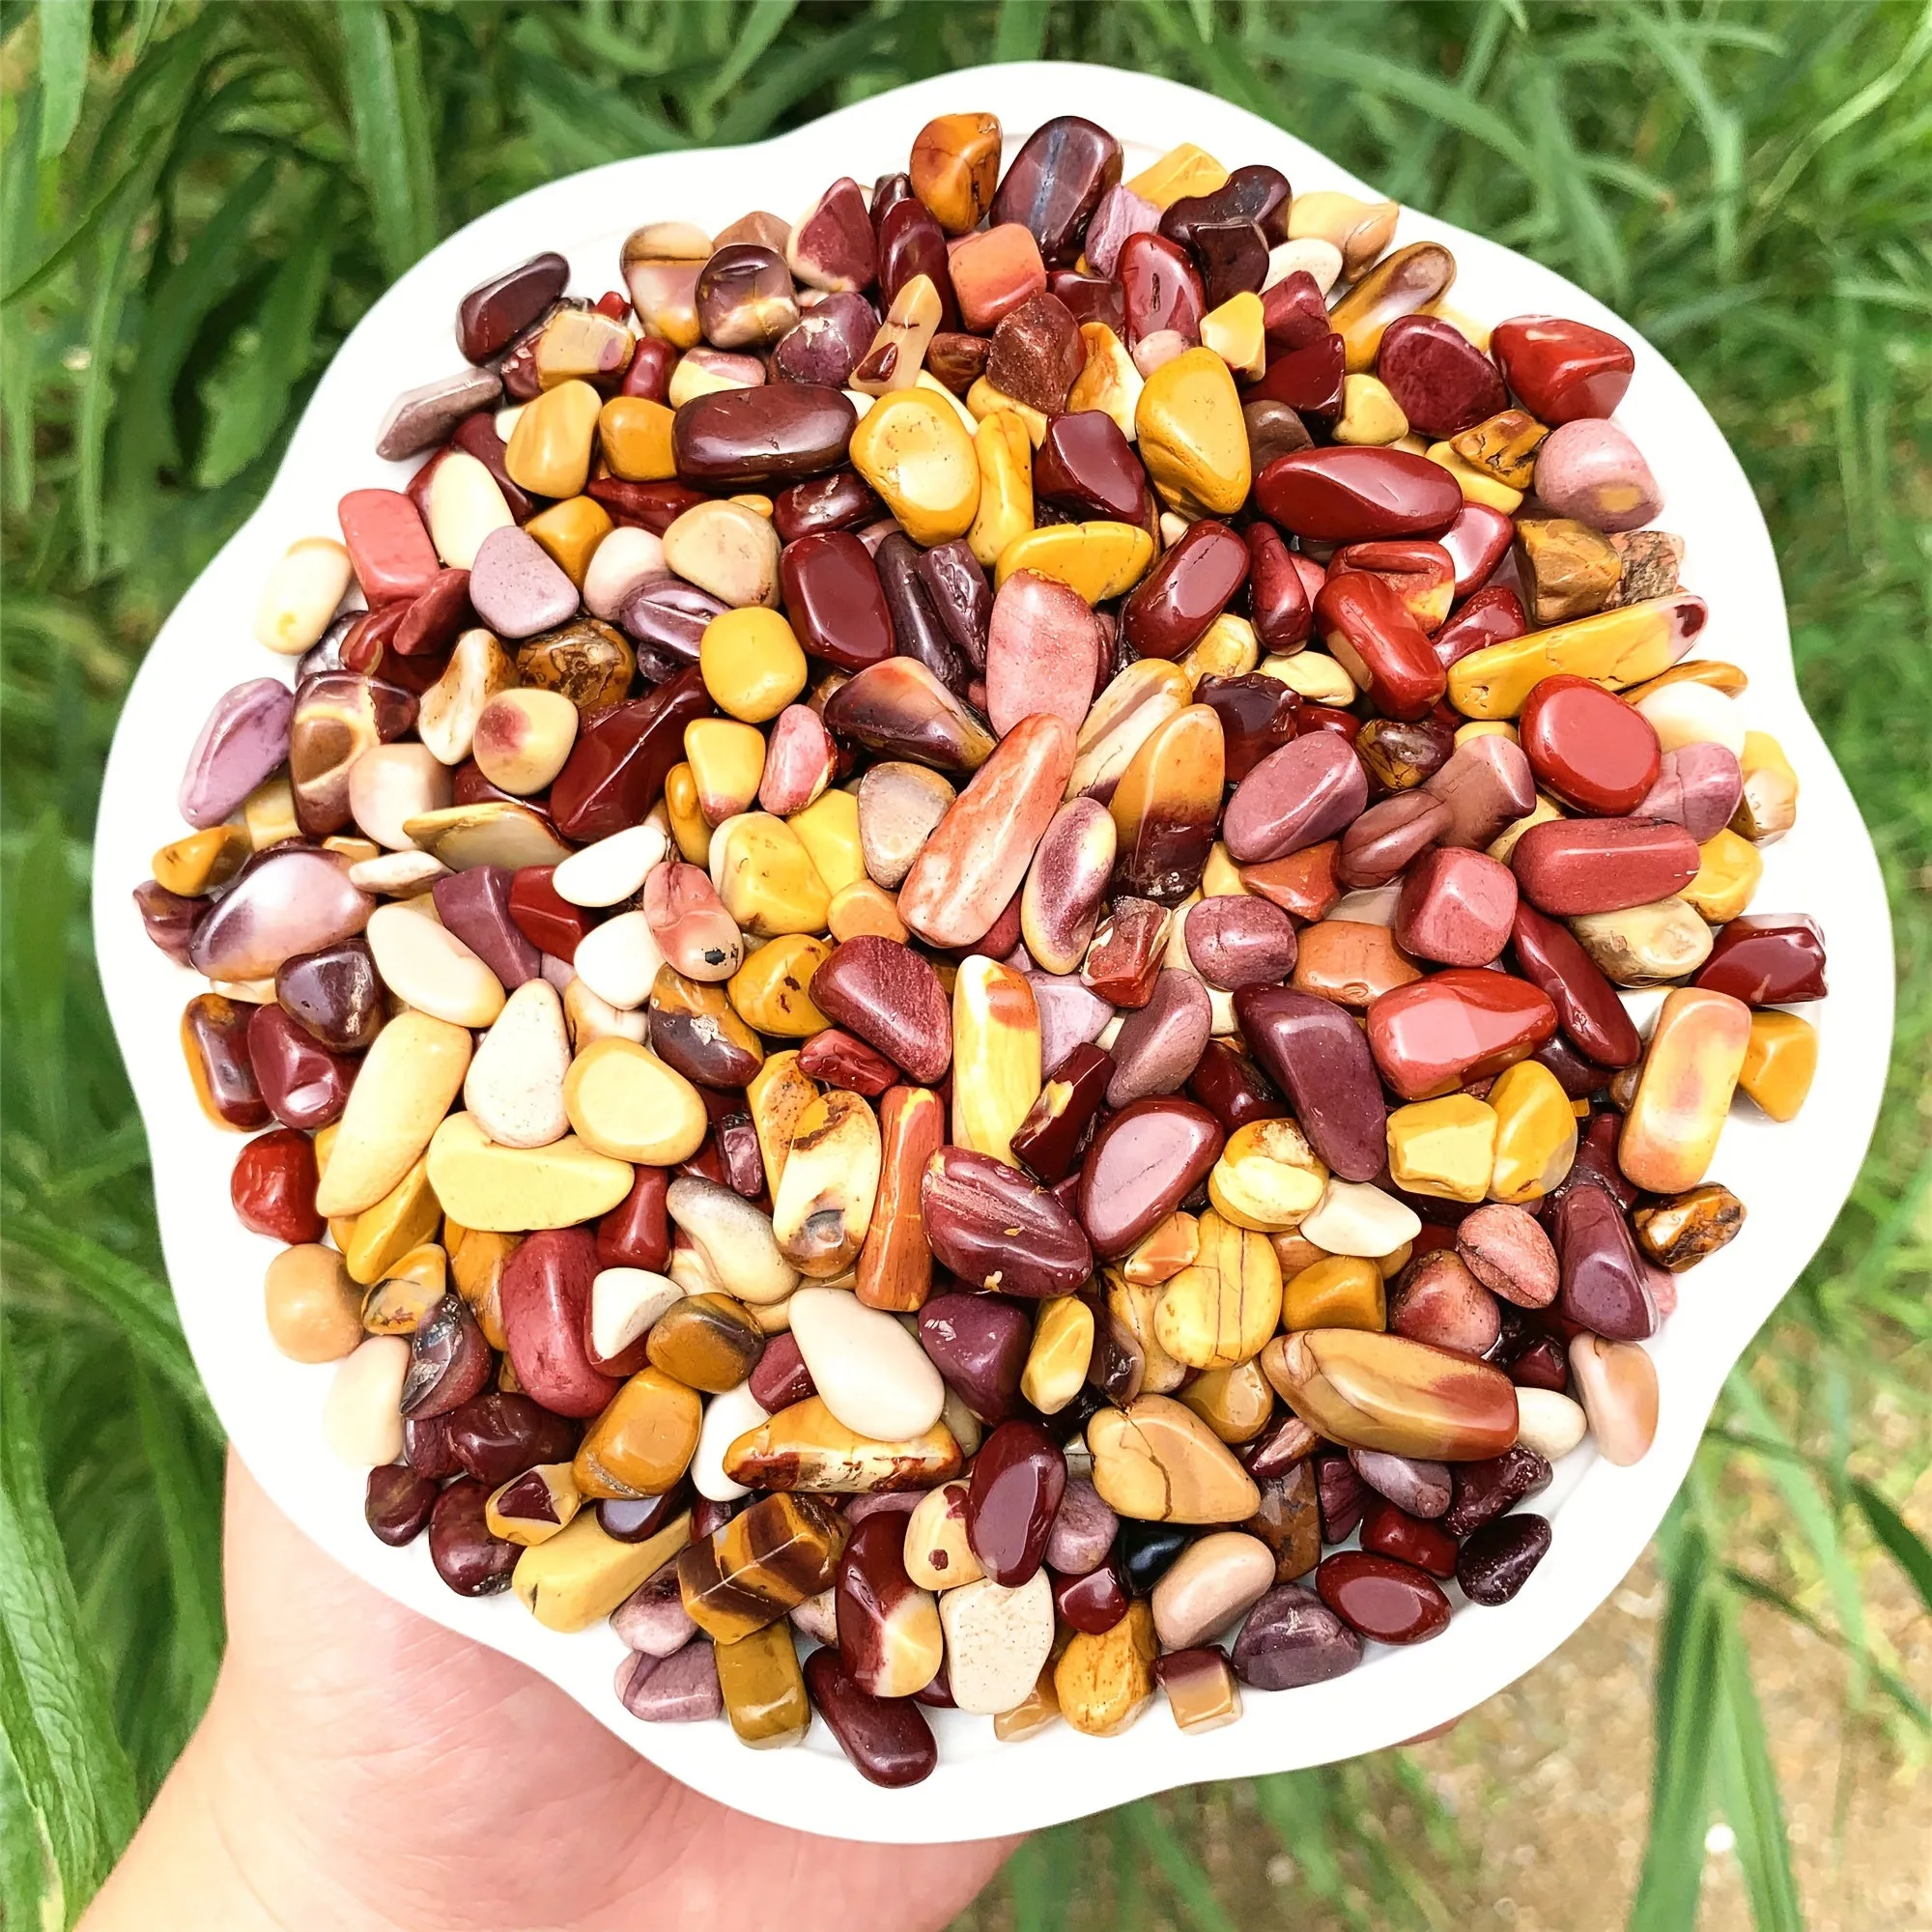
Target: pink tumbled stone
[1456, 908]
[1042, 654]
[800, 758]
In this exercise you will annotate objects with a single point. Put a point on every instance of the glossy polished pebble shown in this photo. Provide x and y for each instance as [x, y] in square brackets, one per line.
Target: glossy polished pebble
[1552, 1423]
[1142, 1164]
[1307, 791]
[1768, 960]
[1104, 1682]
[803, 1447]
[937, 1554]
[1382, 1598]
[1439, 380]
[1562, 370]
[514, 1088]
[1780, 1061]
[1458, 1024]
[974, 863]
[1506, 1249]
[1689, 1072]
[1317, 1055]
[1191, 435]
[1043, 652]
[1456, 908]
[1353, 496]
[1445, 1147]
[891, 997]
[887, 1740]
[1239, 942]
[1157, 1461]
[1291, 1637]
[1591, 470]
[243, 740]
[1495, 1562]
[1018, 1478]
[765, 1561]
[872, 1375]
[360, 1421]
[1383, 1392]
[1680, 1231]
[1616, 1382]
[1214, 1582]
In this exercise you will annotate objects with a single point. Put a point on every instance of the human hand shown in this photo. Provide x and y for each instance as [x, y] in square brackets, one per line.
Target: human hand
[360, 1768]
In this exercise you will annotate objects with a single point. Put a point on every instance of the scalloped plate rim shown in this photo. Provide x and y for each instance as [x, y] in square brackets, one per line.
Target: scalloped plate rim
[270, 1406]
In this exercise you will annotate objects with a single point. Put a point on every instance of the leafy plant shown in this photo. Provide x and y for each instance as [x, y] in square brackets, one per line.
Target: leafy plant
[197, 201]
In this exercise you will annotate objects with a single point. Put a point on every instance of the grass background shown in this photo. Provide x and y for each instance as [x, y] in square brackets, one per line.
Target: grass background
[198, 198]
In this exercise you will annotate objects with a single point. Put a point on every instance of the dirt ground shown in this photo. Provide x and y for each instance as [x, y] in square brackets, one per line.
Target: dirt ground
[1572, 1739]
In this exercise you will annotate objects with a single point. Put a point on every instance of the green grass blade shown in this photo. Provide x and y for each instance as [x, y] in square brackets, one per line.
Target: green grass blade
[1906, 1548]
[1685, 1695]
[1749, 1790]
[1191, 1886]
[404, 227]
[1886, 1679]
[134, 1302]
[64, 32]
[188, 1496]
[54, 1707]
[1021, 32]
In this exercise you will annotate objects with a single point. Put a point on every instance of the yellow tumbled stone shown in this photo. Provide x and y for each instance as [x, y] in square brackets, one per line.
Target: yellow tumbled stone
[912, 450]
[1100, 559]
[1062, 1346]
[1104, 1683]
[982, 400]
[635, 435]
[1477, 486]
[578, 1576]
[751, 664]
[1536, 1133]
[404, 1218]
[1182, 170]
[1234, 331]
[765, 876]
[625, 1102]
[1192, 438]
[1267, 1178]
[688, 828]
[268, 813]
[996, 1070]
[772, 990]
[1221, 878]
[516, 1190]
[1728, 871]
[201, 861]
[727, 761]
[1108, 380]
[570, 531]
[1003, 455]
[828, 828]
[1337, 1291]
[1312, 674]
[404, 1087]
[1444, 1147]
[1486, 727]
[1224, 1305]
[1768, 808]
[1371, 416]
[1615, 648]
[548, 451]
[1780, 1061]
[1227, 648]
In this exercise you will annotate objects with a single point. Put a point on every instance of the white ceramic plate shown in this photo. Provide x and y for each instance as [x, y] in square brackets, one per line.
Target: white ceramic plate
[1792, 1178]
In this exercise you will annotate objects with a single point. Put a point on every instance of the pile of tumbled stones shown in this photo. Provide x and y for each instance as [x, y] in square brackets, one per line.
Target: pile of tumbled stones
[932, 946]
